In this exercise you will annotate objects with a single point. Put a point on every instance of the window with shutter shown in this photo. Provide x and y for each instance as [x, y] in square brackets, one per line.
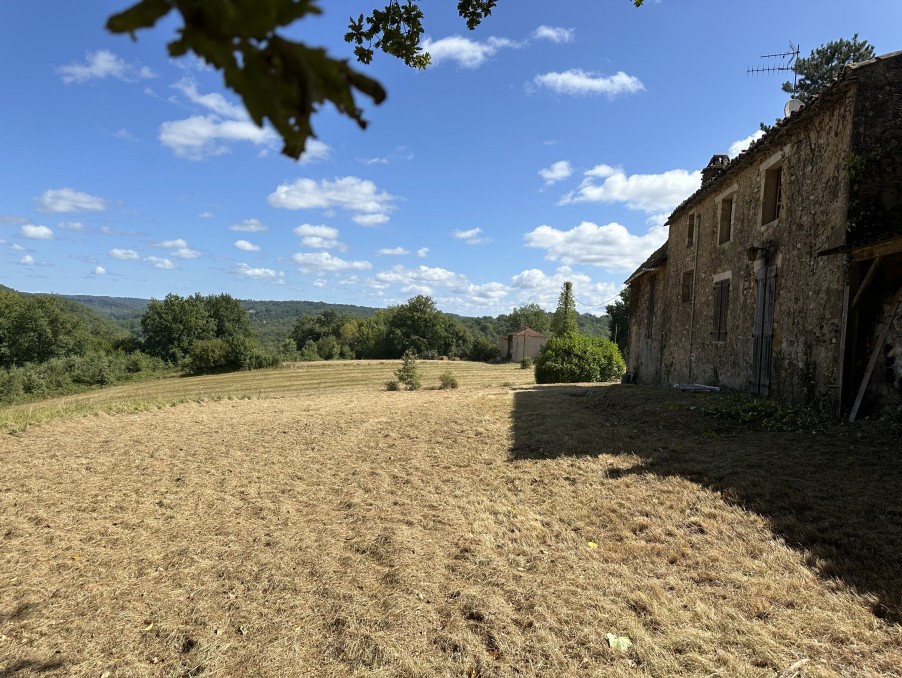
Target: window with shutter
[651, 307]
[721, 306]
[688, 285]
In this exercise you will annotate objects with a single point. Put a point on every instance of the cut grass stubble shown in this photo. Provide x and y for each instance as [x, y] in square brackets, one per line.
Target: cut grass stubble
[331, 528]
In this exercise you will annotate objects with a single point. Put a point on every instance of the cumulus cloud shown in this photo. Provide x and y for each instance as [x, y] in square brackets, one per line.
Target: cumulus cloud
[100, 65]
[359, 196]
[258, 273]
[124, 255]
[27, 260]
[204, 136]
[60, 200]
[249, 226]
[535, 286]
[178, 242]
[558, 171]
[247, 246]
[554, 34]
[319, 262]
[319, 237]
[578, 81]
[319, 282]
[392, 251]
[471, 236]
[99, 270]
[213, 101]
[465, 52]
[36, 232]
[448, 287]
[611, 246]
[423, 252]
[739, 146]
[646, 192]
[179, 247]
[159, 262]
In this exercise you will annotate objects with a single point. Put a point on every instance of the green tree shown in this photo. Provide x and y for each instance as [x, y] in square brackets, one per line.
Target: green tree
[619, 311]
[172, 326]
[825, 63]
[564, 321]
[531, 315]
[284, 80]
[36, 328]
[415, 326]
[409, 373]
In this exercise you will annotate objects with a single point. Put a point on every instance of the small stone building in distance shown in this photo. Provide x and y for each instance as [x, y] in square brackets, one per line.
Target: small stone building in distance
[782, 273]
[523, 344]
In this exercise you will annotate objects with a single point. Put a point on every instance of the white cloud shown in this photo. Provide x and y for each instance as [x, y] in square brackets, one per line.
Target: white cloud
[100, 65]
[27, 260]
[535, 286]
[160, 263]
[185, 253]
[467, 53]
[206, 215]
[319, 262]
[400, 153]
[124, 255]
[471, 236]
[213, 101]
[178, 242]
[12, 219]
[36, 232]
[204, 136]
[72, 226]
[557, 172]
[392, 251]
[100, 270]
[739, 146]
[249, 226]
[319, 282]
[59, 200]
[423, 252]
[578, 81]
[123, 133]
[315, 151]
[247, 246]
[554, 34]
[258, 273]
[319, 237]
[16, 247]
[369, 219]
[360, 196]
[646, 192]
[611, 246]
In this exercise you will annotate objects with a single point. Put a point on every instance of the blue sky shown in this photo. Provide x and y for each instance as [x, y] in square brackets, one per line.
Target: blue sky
[548, 145]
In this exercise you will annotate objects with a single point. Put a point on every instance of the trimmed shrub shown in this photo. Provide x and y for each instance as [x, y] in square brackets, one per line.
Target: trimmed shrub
[409, 374]
[576, 358]
[448, 380]
[526, 363]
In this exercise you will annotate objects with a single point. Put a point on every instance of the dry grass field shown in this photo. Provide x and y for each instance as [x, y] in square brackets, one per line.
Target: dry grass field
[306, 522]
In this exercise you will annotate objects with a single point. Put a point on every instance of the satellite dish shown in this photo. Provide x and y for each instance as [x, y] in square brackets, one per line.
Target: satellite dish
[792, 106]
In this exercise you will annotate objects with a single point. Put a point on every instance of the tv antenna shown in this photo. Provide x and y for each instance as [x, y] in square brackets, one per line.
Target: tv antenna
[787, 63]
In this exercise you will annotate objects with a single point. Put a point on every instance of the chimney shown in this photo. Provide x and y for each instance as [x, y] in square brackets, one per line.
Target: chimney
[715, 168]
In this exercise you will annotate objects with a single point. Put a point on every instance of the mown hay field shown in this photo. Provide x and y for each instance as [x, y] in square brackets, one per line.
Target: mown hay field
[306, 522]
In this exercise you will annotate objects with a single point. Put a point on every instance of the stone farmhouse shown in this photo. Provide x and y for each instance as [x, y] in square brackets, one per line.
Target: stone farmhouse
[523, 344]
[782, 273]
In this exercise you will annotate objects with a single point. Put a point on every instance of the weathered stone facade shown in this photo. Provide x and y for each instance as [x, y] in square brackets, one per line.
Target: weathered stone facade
[746, 293]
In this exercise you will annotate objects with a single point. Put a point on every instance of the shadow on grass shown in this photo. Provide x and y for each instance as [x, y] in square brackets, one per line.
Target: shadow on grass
[24, 666]
[836, 495]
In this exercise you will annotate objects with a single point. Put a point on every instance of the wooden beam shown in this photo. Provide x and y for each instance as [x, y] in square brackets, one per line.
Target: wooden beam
[893, 246]
[843, 329]
[881, 339]
[869, 276]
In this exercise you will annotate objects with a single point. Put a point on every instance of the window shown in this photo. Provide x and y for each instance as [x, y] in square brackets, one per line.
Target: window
[772, 200]
[725, 232]
[690, 231]
[651, 307]
[688, 284]
[721, 306]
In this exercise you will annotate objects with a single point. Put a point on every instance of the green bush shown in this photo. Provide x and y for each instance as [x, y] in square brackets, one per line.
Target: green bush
[206, 356]
[526, 363]
[409, 374]
[576, 358]
[448, 380]
[392, 385]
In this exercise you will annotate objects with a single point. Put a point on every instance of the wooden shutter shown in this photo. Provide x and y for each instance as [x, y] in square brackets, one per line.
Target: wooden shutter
[721, 307]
